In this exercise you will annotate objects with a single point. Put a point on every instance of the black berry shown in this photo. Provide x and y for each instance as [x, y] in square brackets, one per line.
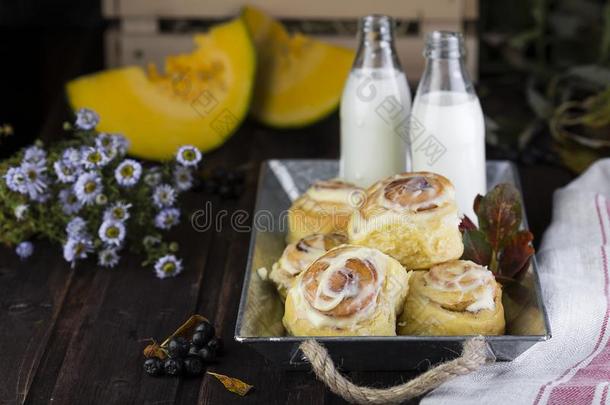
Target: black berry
[193, 350]
[200, 339]
[153, 366]
[173, 367]
[178, 347]
[215, 345]
[207, 354]
[235, 177]
[225, 191]
[219, 173]
[210, 186]
[193, 365]
[207, 329]
[237, 190]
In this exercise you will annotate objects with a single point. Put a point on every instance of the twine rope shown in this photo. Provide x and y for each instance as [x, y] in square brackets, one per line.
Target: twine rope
[474, 355]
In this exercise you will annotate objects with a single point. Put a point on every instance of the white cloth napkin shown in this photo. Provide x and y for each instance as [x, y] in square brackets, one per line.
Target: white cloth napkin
[573, 367]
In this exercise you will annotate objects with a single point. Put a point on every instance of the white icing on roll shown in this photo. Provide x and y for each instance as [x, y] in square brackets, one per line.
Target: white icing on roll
[466, 278]
[415, 192]
[333, 191]
[327, 299]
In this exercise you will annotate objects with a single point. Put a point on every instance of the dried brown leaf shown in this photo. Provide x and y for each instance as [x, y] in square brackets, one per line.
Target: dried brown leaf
[154, 350]
[232, 384]
[186, 329]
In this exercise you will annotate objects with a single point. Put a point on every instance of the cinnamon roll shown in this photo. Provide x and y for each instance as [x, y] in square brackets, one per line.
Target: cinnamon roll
[412, 217]
[324, 208]
[349, 291]
[299, 255]
[452, 299]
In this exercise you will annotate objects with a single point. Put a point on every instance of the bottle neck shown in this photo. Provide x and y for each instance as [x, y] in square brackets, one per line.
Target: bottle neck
[376, 43]
[445, 69]
[446, 75]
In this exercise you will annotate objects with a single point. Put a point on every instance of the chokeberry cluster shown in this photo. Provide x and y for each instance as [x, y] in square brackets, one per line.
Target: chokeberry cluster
[226, 183]
[187, 357]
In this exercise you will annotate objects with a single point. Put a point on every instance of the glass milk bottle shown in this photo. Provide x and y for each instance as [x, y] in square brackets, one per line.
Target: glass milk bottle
[375, 107]
[447, 130]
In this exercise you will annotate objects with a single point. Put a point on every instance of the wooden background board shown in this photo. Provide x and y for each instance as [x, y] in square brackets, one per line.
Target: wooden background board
[407, 9]
[139, 40]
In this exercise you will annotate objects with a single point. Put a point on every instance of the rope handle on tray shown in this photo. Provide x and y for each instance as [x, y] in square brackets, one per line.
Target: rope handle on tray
[475, 353]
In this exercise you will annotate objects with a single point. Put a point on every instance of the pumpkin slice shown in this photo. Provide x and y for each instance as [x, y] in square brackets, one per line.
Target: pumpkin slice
[200, 99]
[299, 79]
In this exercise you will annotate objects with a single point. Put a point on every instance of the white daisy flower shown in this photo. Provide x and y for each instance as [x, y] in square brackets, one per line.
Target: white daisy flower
[128, 172]
[86, 119]
[183, 178]
[24, 249]
[188, 155]
[77, 248]
[167, 218]
[87, 187]
[69, 201]
[121, 143]
[20, 211]
[118, 211]
[112, 232]
[15, 180]
[65, 172]
[93, 158]
[153, 177]
[107, 144]
[71, 157]
[35, 155]
[108, 257]
[77, 227]
[168, 266]
[35, 179]
[164, 196]
[111, 144]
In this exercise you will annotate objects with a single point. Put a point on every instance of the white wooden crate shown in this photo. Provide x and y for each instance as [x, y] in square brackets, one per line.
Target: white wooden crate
[138, 39]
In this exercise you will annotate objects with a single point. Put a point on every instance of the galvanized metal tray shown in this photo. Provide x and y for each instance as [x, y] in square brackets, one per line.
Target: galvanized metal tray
[259, 320]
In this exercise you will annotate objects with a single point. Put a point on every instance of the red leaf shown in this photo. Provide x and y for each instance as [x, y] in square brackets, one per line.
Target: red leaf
[477, 204]
[476, 247]
[499, 214]
[466, 224]
[516, 254]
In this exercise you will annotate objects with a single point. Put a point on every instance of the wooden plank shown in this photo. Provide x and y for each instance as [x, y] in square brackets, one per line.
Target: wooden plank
[471, 9]
[32, 294]
[119, 308]
[139, 25]
[111, 8]
[318, 9]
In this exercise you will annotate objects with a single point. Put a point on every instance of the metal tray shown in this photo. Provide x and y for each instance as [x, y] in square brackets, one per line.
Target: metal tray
[259, 320]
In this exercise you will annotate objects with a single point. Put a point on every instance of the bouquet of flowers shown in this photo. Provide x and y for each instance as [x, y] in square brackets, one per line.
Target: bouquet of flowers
[85, 194]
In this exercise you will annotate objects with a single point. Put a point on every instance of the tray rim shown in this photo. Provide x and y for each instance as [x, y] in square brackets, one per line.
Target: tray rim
[264, 168]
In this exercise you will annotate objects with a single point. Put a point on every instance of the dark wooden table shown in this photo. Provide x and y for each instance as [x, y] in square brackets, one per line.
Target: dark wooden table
[76, 336]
